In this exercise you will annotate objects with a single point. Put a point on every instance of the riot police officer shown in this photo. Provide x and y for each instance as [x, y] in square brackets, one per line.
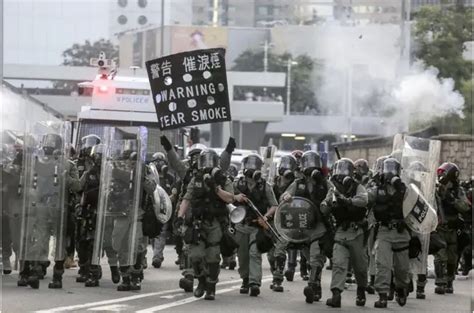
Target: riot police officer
[314, 187]
[230, 261]
[392, 241]
[277, 256]
[168, 183]
[451, 201]
[207, 194]
[252, 186]
[87, 142]
[185, 171]
[377, 171]
[347, 202]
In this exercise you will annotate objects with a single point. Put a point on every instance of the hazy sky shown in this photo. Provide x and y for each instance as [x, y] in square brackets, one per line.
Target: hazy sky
[38, 31]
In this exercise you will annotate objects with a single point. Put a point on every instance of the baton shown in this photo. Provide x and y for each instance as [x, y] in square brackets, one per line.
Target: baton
[274, 232]
[337, 152]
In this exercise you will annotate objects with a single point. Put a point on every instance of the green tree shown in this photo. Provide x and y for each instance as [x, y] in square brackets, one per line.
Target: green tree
[80, 55]
[440, 34]
[302, 94]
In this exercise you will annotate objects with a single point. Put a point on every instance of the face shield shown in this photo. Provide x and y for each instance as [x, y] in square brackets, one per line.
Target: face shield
[310, 161]
[287, 166]
[208, 159]
[96, 154]
[51, 143]
[252, 165]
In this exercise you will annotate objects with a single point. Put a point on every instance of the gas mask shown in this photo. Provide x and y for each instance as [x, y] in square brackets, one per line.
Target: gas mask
[286, 173]
[213, 176]
[253, 174]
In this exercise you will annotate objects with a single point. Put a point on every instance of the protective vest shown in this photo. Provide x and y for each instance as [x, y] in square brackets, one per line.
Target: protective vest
[279, 187]
[257, 195]
[314, 192]
[205, 201]
[91, 189]
[343, 213]
[388, 207]
[167, 182]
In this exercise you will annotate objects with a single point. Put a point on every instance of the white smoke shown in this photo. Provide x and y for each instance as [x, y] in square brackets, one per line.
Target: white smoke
[425, 96]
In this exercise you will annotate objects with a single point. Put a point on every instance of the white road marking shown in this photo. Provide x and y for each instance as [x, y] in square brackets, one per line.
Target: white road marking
[124, 299]
[105, 302]
[111, 308]
[172, 296]
[189, 300]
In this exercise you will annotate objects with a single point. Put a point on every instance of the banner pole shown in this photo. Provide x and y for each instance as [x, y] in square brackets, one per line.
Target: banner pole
[231, 129]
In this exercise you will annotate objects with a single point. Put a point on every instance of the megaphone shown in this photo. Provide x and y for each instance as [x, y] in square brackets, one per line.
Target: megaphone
[236, 213]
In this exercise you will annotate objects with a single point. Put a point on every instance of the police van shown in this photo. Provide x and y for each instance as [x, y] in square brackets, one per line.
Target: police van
[121, 101]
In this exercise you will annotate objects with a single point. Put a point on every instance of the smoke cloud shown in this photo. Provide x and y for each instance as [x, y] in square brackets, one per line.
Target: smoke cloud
[425, 96]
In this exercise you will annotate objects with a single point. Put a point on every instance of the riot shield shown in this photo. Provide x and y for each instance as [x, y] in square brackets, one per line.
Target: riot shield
[419, 160]
[267, 154]
[295, 220]
[117, 227]
[44, 213]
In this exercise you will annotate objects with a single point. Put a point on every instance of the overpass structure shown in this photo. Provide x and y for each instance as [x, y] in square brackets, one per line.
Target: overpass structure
[251, 119]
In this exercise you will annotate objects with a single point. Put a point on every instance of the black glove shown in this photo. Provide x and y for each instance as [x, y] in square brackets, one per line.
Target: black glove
[230, 145]
[343, 200]
[396, 182]
[166, 143]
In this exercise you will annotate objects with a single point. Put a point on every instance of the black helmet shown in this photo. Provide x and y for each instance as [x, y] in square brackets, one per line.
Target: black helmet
[252, 162]
[232, 171]
[159, 157]
[287, 162]
[361, 167]
[448, 172]
[391, 169]
[97, 152]
[89, 141]
[378, 165]
[208, 159]
[310, 160]
[343, 167]
[193, 153]
[51, 143]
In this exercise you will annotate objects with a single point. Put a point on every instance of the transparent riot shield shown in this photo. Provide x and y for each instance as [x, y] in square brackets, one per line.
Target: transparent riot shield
[419, 160]
[117, 228]
[43, 230]
[295, 220]
[267, 154]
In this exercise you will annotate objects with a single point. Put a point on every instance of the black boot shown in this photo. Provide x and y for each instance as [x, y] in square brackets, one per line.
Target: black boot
[244, 289]
[420, 292]
[335, 301]
[33, 281]
[440, 289]
[83, 274]
[115, 274]
[371, 288]
[254, 290]
[57, 282]
[309, 292]
[381, 303]
[201, 287]
[24, 273]
[125, 284]
[213, 269]
[279, 268]
[360, 299]
[411, 287]
[34, 277]
[401, 296]
[93, 279]
[232, 265]
[135, 281]
[449, 287]
[186, 283]
[210, 291]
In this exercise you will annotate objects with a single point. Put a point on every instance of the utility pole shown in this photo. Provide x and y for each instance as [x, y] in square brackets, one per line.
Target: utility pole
[162, 37]
[288, 85]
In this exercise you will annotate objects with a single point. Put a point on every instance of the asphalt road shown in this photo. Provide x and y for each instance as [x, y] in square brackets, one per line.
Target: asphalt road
[160, 293]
